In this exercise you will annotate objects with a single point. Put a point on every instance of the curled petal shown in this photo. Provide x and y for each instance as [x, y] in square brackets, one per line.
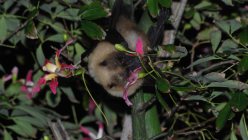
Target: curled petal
[53, 85]
[7, 78]
[100, 130]
[15, 70]
[134, 76]
[57, 63]
[29, 76]
[125, 95]
[49, 77]
[88, 132]
[139, 47]
[66, 66]
[50, 67]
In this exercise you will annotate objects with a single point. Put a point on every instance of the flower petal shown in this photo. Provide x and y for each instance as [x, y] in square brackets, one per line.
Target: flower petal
[29, 76]
[24, 89]
[53, 85]
[134, 76]
[49, 77]
[50, 67]
[125, 95]
[36, 89]
[57, 63]
[15, 71]
[139, 47]
[41, 81]
[66, 66]
[92, 106]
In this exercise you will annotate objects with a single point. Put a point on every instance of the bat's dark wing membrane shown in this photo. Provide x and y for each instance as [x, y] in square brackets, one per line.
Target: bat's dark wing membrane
[155, 33]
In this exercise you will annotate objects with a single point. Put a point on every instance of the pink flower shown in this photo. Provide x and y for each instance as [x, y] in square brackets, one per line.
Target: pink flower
[134, 76]
[92, 106]
[56, 70]
[29, 87]
[91, 135]
[13, 75]
[139, 47]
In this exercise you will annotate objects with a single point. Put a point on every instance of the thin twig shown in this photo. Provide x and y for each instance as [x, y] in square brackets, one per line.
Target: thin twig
[194, 127]
[215, 65]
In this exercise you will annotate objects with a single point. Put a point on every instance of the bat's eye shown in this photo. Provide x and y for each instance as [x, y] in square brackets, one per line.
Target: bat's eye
[103, 63]
[111, 85]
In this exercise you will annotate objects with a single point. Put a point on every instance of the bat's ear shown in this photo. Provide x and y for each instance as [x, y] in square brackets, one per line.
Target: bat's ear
[120, 8]
[155, 33]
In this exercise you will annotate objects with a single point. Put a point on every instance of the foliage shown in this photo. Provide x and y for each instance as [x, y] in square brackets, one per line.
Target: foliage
[200, 85]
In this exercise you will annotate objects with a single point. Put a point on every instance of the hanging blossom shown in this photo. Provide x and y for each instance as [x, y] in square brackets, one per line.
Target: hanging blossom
[91, 106]
[134, 76]
[139, 47]
[139, 50]
[91, 135]
[13, 75]
[29, 87]
[56, 70]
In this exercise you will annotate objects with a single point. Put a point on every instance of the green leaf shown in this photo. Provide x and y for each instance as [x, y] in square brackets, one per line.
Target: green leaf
[196, 98]
[196, 21]
[23, 128]
[228, 46]
[40, 56]
[33, 111]
[93, 11]
[215, 38]
[32, 120]
[70, 94]
[56, 38]
[234, 25]
[13, 89]
[204, 34]
[203, 5]
[243, 128]
[233, 136]
[7, 4]
[163, 85]
[69, 14]
[223, 117]
[165, 3]
[112, 117]
[31, 31]
[243, 36]
[229, 26]
[53, 100]
[79, 50]
[228, 2]
[223, 25]
[153, 7]
[88, 119]
[215, 77]
[229, 84]
[203, 60]
[162, 101]
[6, 135]
[239, 101]
[243, 65]
[3, 29]
[93, 30]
